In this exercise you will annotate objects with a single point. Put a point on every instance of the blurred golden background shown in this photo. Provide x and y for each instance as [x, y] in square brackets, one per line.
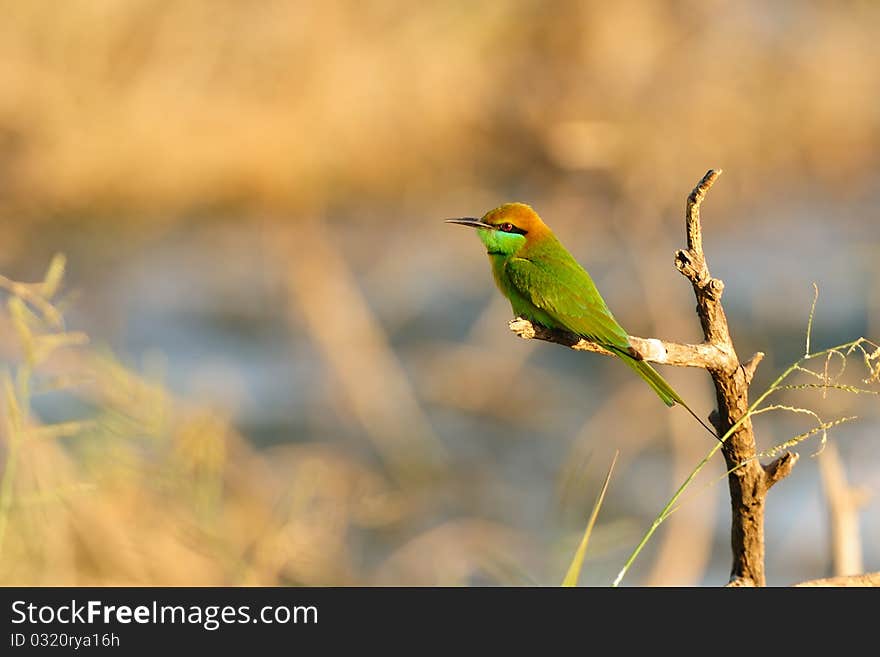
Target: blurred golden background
[297, 374]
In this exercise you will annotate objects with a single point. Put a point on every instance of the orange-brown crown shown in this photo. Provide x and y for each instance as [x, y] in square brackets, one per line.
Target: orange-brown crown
[520, 215]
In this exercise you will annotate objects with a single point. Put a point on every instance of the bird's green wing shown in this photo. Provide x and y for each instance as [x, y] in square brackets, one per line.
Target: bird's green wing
[564, 290]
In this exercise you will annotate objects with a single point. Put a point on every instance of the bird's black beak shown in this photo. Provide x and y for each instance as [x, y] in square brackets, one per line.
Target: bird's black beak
[470, 221]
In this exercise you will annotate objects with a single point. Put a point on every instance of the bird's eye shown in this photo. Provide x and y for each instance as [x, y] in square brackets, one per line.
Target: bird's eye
[507, 227]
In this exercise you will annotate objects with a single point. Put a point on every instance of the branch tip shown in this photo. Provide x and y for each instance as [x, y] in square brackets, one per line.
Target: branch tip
[779, 469]
[522, 327]
[692, 215]
[751, 365]
[699, 192]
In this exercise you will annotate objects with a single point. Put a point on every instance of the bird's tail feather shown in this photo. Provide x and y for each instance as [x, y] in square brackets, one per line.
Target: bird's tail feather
[661, 387]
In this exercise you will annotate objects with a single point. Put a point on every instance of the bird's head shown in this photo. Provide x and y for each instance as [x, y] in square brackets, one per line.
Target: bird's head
[507, 228]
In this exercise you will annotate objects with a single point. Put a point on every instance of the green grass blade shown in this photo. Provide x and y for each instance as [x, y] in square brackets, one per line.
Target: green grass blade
[574, 570]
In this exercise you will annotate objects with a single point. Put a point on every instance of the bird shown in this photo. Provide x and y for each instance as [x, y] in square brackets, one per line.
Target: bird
[546, 285]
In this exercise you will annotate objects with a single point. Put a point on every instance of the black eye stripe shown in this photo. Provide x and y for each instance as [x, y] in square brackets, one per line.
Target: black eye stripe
[510, 228]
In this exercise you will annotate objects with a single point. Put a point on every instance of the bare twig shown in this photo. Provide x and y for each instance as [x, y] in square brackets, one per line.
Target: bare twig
[868, 579]
[780, 468]
[751, 365]
[702, 355]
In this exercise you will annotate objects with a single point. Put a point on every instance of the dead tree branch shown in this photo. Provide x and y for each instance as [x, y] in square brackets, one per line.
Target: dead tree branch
[748, 480]
[657, 351]
[868, 579]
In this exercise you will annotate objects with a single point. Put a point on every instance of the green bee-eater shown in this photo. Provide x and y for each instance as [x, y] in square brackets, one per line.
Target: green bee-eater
[546, 285]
